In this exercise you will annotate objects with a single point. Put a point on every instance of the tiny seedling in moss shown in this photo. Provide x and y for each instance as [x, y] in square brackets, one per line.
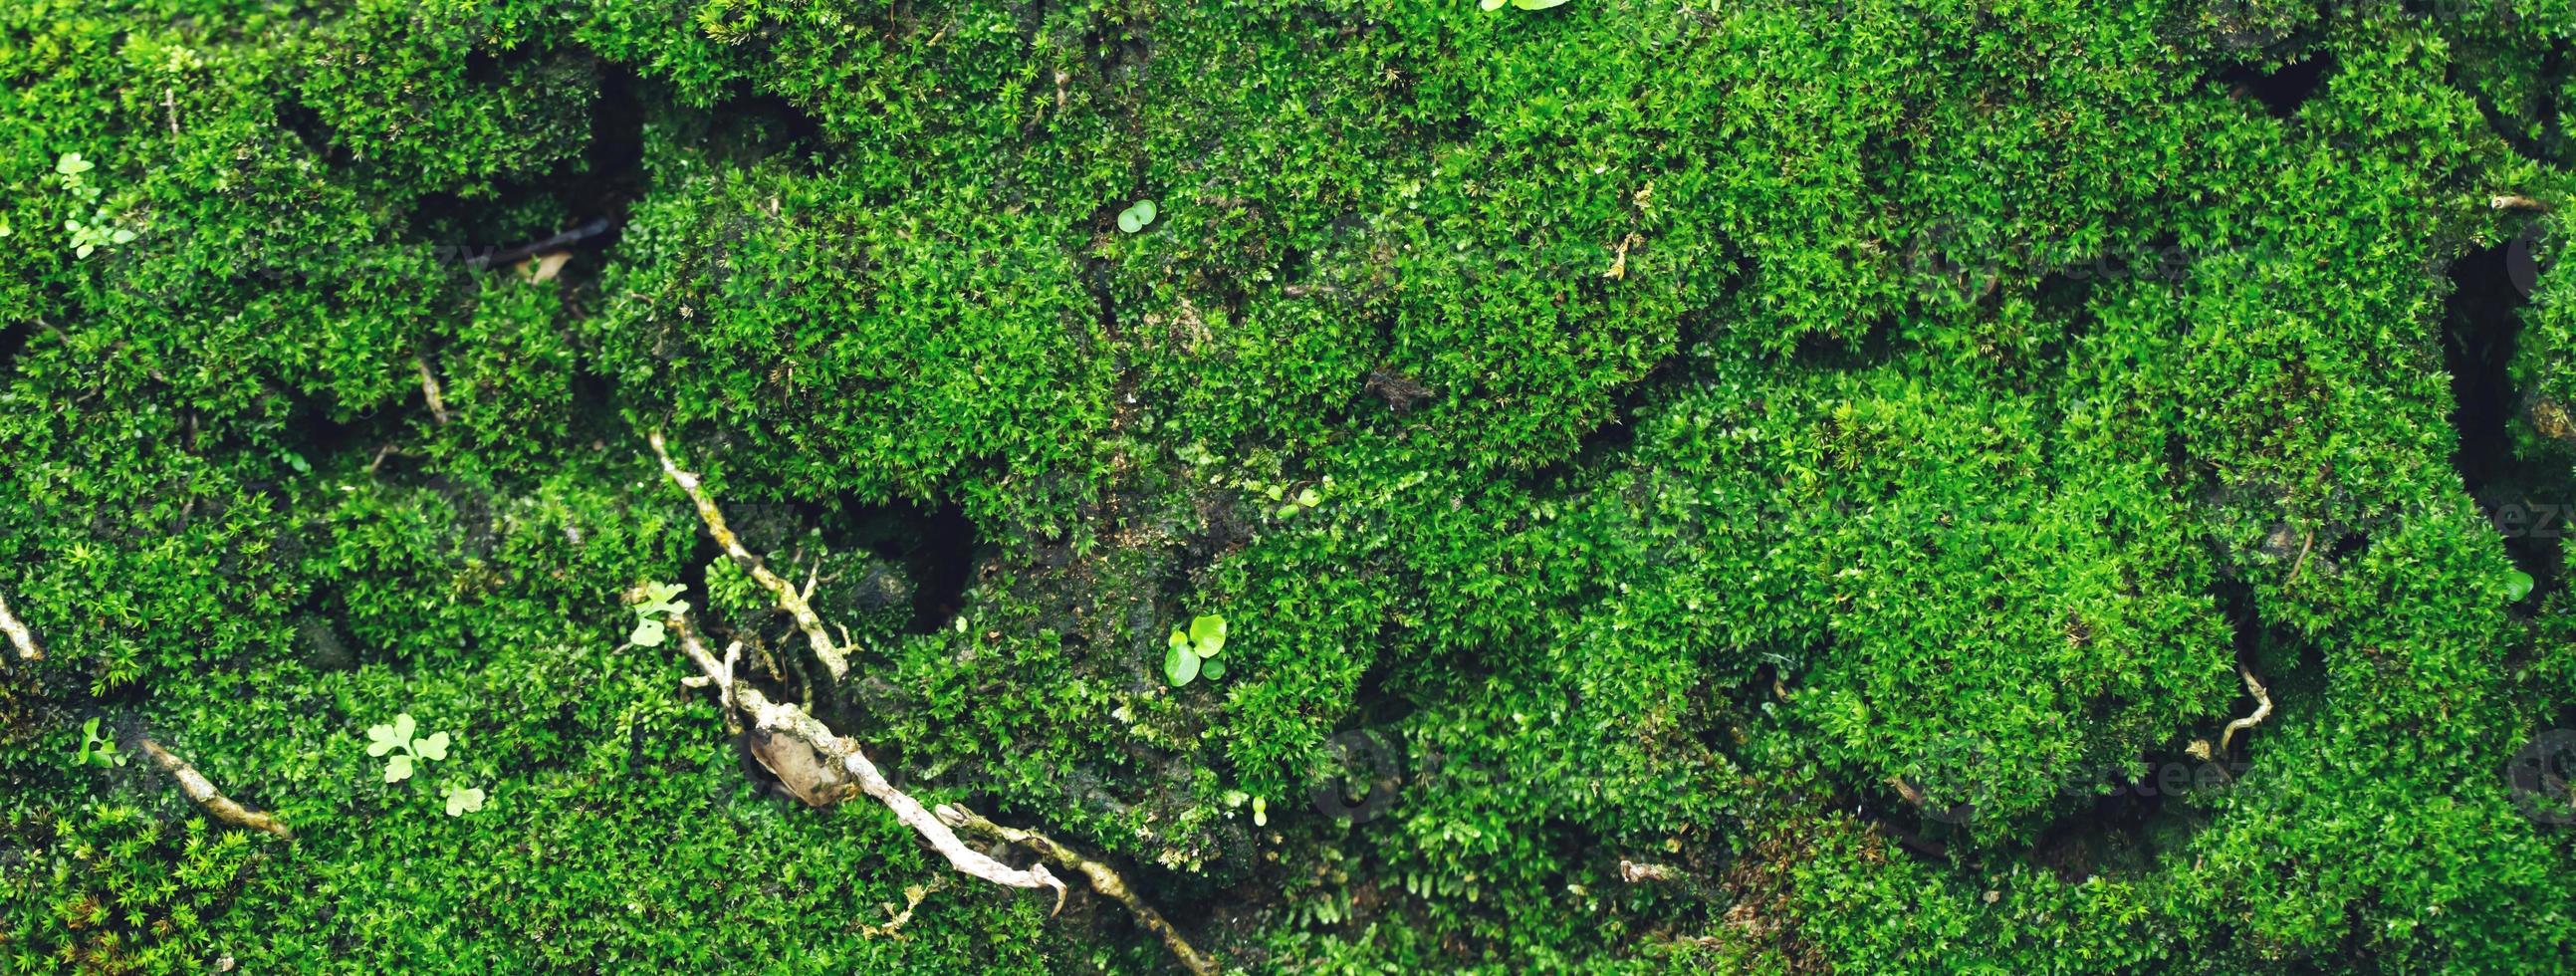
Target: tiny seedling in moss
[1193, 652]
[2517, 584]
[658, 603]
[1285, 504]
[1137, 216]
[462, 800]
[96, 232]
[407, 751]
[1305, 498]
[96, 749]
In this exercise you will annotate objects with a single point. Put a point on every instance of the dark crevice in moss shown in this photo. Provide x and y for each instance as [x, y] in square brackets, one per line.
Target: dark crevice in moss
[1377, 702]
[306, 125]
[2123, 830]
[2515, 124]
[580, 206]
[1900, 826]
[765, 124]
[323, 646]
[2479, 334]
[1829, 352]
[2283, 89]
[322, 434]
[936, 544]
[2482, 327]
[13, 339]
[1612, 435]
[2068, 294]
[693, 572]
[743, 129]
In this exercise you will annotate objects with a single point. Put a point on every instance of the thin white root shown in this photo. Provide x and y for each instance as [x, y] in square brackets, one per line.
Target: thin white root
[202, 791]
[779, 718]
[940, 828]
[835, 659]
[19, 634]
[1103, 879]
[2262, 709]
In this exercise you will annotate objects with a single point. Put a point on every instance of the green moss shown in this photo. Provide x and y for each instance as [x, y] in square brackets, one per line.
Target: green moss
[1793, 486]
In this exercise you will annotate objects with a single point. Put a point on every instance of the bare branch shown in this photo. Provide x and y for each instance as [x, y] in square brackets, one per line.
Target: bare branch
[2304, 546]
[834, 659]
[780, 718]
[1103, 879]
[429, 388]
[19, 634]
[202, 790]
[2516, 202]
[788, 720]
[2262, 709]
[521, 252]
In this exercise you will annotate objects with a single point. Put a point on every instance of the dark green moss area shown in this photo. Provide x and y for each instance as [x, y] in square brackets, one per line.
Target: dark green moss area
[1796, 485]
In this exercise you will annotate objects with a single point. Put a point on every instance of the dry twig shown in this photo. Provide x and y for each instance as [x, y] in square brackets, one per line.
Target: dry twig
[429, 388]
[834, 658]
[791, 721]
[2262, 709]
[19, 634]
[1103, 879]
[779, 718]
[202, 790]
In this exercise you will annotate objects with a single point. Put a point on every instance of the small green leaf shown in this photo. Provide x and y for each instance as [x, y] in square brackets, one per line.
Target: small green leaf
[2518, 584]
[1213, 669]
[398, 768]
[404, 726]
[1288, 510]
[1180, 666]
[434, 747]
[71, 164]
[1310, 498]
[648, 633]
[1207, 633]
[1137, 216]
